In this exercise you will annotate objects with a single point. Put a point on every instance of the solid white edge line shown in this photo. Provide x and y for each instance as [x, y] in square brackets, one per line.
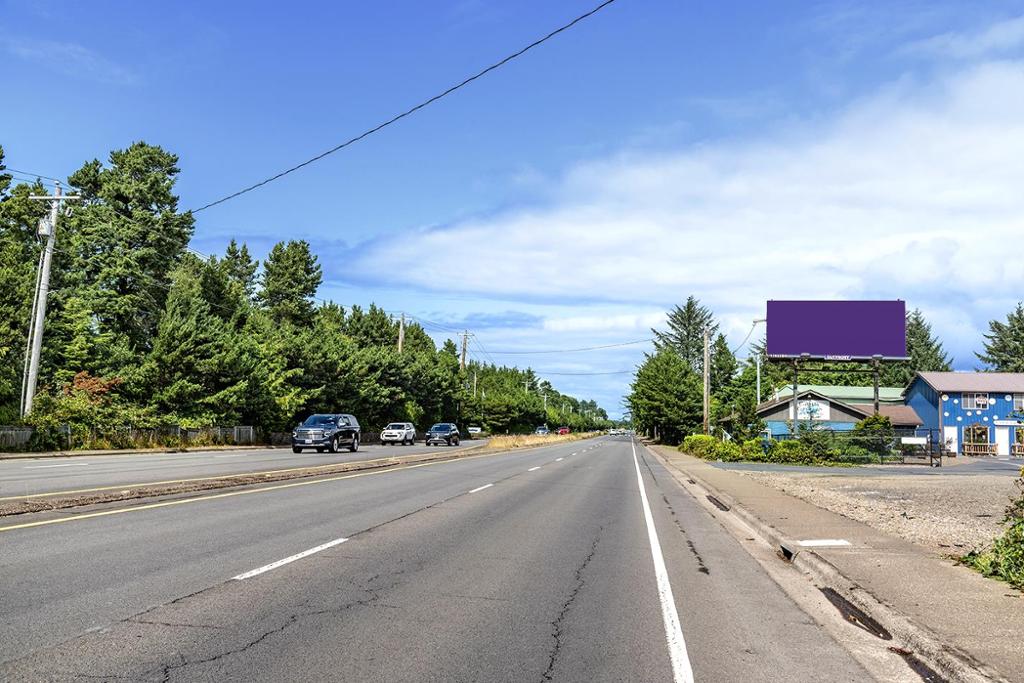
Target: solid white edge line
[558, 460]
[533, 469]
[682, 672]
[46, 467]
[824, 542]
[481, 488]
[287, 560]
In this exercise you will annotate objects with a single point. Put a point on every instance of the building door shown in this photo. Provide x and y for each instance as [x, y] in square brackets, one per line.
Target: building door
[1002, 440]
[949, 435]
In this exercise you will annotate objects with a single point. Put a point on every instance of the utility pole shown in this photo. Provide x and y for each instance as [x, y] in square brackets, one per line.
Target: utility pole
[707, 381]
[474, 384]
[758, 361]
[401, 332]
[49, 230]
[465, 342]
[526, 386]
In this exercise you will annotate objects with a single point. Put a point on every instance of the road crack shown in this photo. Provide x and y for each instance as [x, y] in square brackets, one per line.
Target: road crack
[556, 624]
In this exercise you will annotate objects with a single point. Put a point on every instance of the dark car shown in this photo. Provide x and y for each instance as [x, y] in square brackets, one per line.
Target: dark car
[443, 432]
[327, 432]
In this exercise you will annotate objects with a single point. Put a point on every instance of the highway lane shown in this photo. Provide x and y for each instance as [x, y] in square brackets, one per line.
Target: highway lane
[23, 477]
[537, 565]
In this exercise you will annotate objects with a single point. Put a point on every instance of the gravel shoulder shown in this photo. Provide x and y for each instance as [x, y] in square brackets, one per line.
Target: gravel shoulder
[947, 514]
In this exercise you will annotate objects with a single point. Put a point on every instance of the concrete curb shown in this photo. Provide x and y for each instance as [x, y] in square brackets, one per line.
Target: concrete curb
[926, 645]
[129, 451]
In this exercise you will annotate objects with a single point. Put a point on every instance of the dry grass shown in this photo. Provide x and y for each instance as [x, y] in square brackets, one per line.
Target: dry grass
[513, 441]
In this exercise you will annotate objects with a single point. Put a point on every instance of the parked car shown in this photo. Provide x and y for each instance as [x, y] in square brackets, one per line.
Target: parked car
[327, 432]
[542, 430]
[443, 432]
[398, 432]
[563, 430]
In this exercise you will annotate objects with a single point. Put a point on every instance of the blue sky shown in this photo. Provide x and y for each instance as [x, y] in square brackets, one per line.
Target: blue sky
[734, 151]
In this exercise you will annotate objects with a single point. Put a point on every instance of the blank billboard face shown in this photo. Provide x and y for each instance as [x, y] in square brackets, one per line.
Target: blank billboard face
[837, 329]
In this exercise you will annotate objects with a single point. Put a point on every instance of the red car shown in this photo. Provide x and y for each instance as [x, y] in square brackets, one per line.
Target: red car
[563, 430]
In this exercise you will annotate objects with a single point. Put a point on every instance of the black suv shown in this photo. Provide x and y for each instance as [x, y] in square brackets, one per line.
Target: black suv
[443, 432]
[327, 433]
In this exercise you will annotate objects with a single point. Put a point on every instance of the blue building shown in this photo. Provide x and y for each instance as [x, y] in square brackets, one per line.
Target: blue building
[836, 408]
[974, 413]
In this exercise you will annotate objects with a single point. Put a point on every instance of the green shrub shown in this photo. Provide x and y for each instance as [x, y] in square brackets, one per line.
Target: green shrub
[792, 452]
[699, 445]
[1005, 558]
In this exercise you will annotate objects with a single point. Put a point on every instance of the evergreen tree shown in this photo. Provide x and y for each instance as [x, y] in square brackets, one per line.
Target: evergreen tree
[924, 350]
[19, 253]
[666, 397]
[723, 367]
[240, 267]
[1004, 343]
[685, 335]
[291, 277]
[118, 248]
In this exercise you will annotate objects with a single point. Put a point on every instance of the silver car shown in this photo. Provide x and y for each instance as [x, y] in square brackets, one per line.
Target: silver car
[398, 432]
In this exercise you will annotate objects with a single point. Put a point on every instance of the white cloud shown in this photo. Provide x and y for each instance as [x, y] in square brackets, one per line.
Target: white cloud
[606, 323]
[998, 38]
[912, 193]
[69, 59]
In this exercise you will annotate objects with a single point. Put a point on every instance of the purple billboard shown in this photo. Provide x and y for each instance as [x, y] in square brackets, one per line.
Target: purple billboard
[837, 330]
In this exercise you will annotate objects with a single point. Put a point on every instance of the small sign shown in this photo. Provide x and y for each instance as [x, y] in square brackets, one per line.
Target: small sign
[914, 440]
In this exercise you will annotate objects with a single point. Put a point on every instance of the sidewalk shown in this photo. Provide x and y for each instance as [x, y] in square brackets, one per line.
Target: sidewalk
[955, 618]
[128, 451]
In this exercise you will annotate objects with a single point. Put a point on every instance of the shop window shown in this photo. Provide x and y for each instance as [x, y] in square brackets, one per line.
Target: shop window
[975, 402]
[976, 434]
[1018, 403]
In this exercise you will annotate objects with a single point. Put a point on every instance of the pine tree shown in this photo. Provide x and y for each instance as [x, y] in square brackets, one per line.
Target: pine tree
[291, 278]
[685, 335]
[1004, 344]
[723, 367]
[924, 350]
[240, 267]
[666, 396]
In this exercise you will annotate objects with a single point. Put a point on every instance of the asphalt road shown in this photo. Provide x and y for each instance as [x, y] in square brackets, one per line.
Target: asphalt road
[529, 566]
[24, 477]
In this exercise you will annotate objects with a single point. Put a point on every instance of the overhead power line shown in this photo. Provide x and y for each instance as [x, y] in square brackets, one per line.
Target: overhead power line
[35, 175]
[408, 112]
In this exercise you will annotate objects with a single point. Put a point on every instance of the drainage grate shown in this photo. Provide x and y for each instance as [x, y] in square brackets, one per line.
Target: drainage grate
[855, 615]
[926, 673]
[718, 504]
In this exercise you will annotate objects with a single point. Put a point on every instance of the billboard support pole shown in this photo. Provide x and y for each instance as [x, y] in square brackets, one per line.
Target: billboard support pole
[796, 381]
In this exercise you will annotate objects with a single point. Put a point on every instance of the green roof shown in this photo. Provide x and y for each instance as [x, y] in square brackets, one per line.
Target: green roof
[845, 394]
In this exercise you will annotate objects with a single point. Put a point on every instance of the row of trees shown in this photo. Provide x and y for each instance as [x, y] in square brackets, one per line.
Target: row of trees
[142, 331]
[666, 394]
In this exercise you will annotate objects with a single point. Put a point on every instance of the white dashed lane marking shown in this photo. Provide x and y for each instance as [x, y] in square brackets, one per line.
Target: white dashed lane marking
[481, 488]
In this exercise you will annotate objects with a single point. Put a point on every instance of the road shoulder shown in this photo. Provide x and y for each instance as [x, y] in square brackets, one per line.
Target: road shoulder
[927, 602]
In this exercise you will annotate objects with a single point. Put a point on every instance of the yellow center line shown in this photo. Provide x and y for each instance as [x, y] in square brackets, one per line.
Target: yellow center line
[122, 487]
[230, 494]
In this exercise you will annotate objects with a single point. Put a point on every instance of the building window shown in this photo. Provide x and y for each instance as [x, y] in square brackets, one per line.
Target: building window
[1018, 403]
[975, 402]
[976, 434]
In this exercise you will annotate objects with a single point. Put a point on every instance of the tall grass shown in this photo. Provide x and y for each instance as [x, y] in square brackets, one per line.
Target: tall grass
[511, 441]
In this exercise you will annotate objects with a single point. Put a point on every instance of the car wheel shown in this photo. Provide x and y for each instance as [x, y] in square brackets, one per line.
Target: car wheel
[355, 444]
[456, 441]
[333, 448]
[296, 449]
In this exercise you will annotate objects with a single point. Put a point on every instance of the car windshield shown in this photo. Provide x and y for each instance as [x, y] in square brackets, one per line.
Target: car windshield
[396, 425]
[441, 428]
[318, 421]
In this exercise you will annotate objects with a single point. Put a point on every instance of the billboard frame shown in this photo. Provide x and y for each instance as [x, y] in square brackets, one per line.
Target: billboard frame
[837, 357]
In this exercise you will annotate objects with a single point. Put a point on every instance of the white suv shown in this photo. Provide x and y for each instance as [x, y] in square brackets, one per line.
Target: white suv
[398, 432]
